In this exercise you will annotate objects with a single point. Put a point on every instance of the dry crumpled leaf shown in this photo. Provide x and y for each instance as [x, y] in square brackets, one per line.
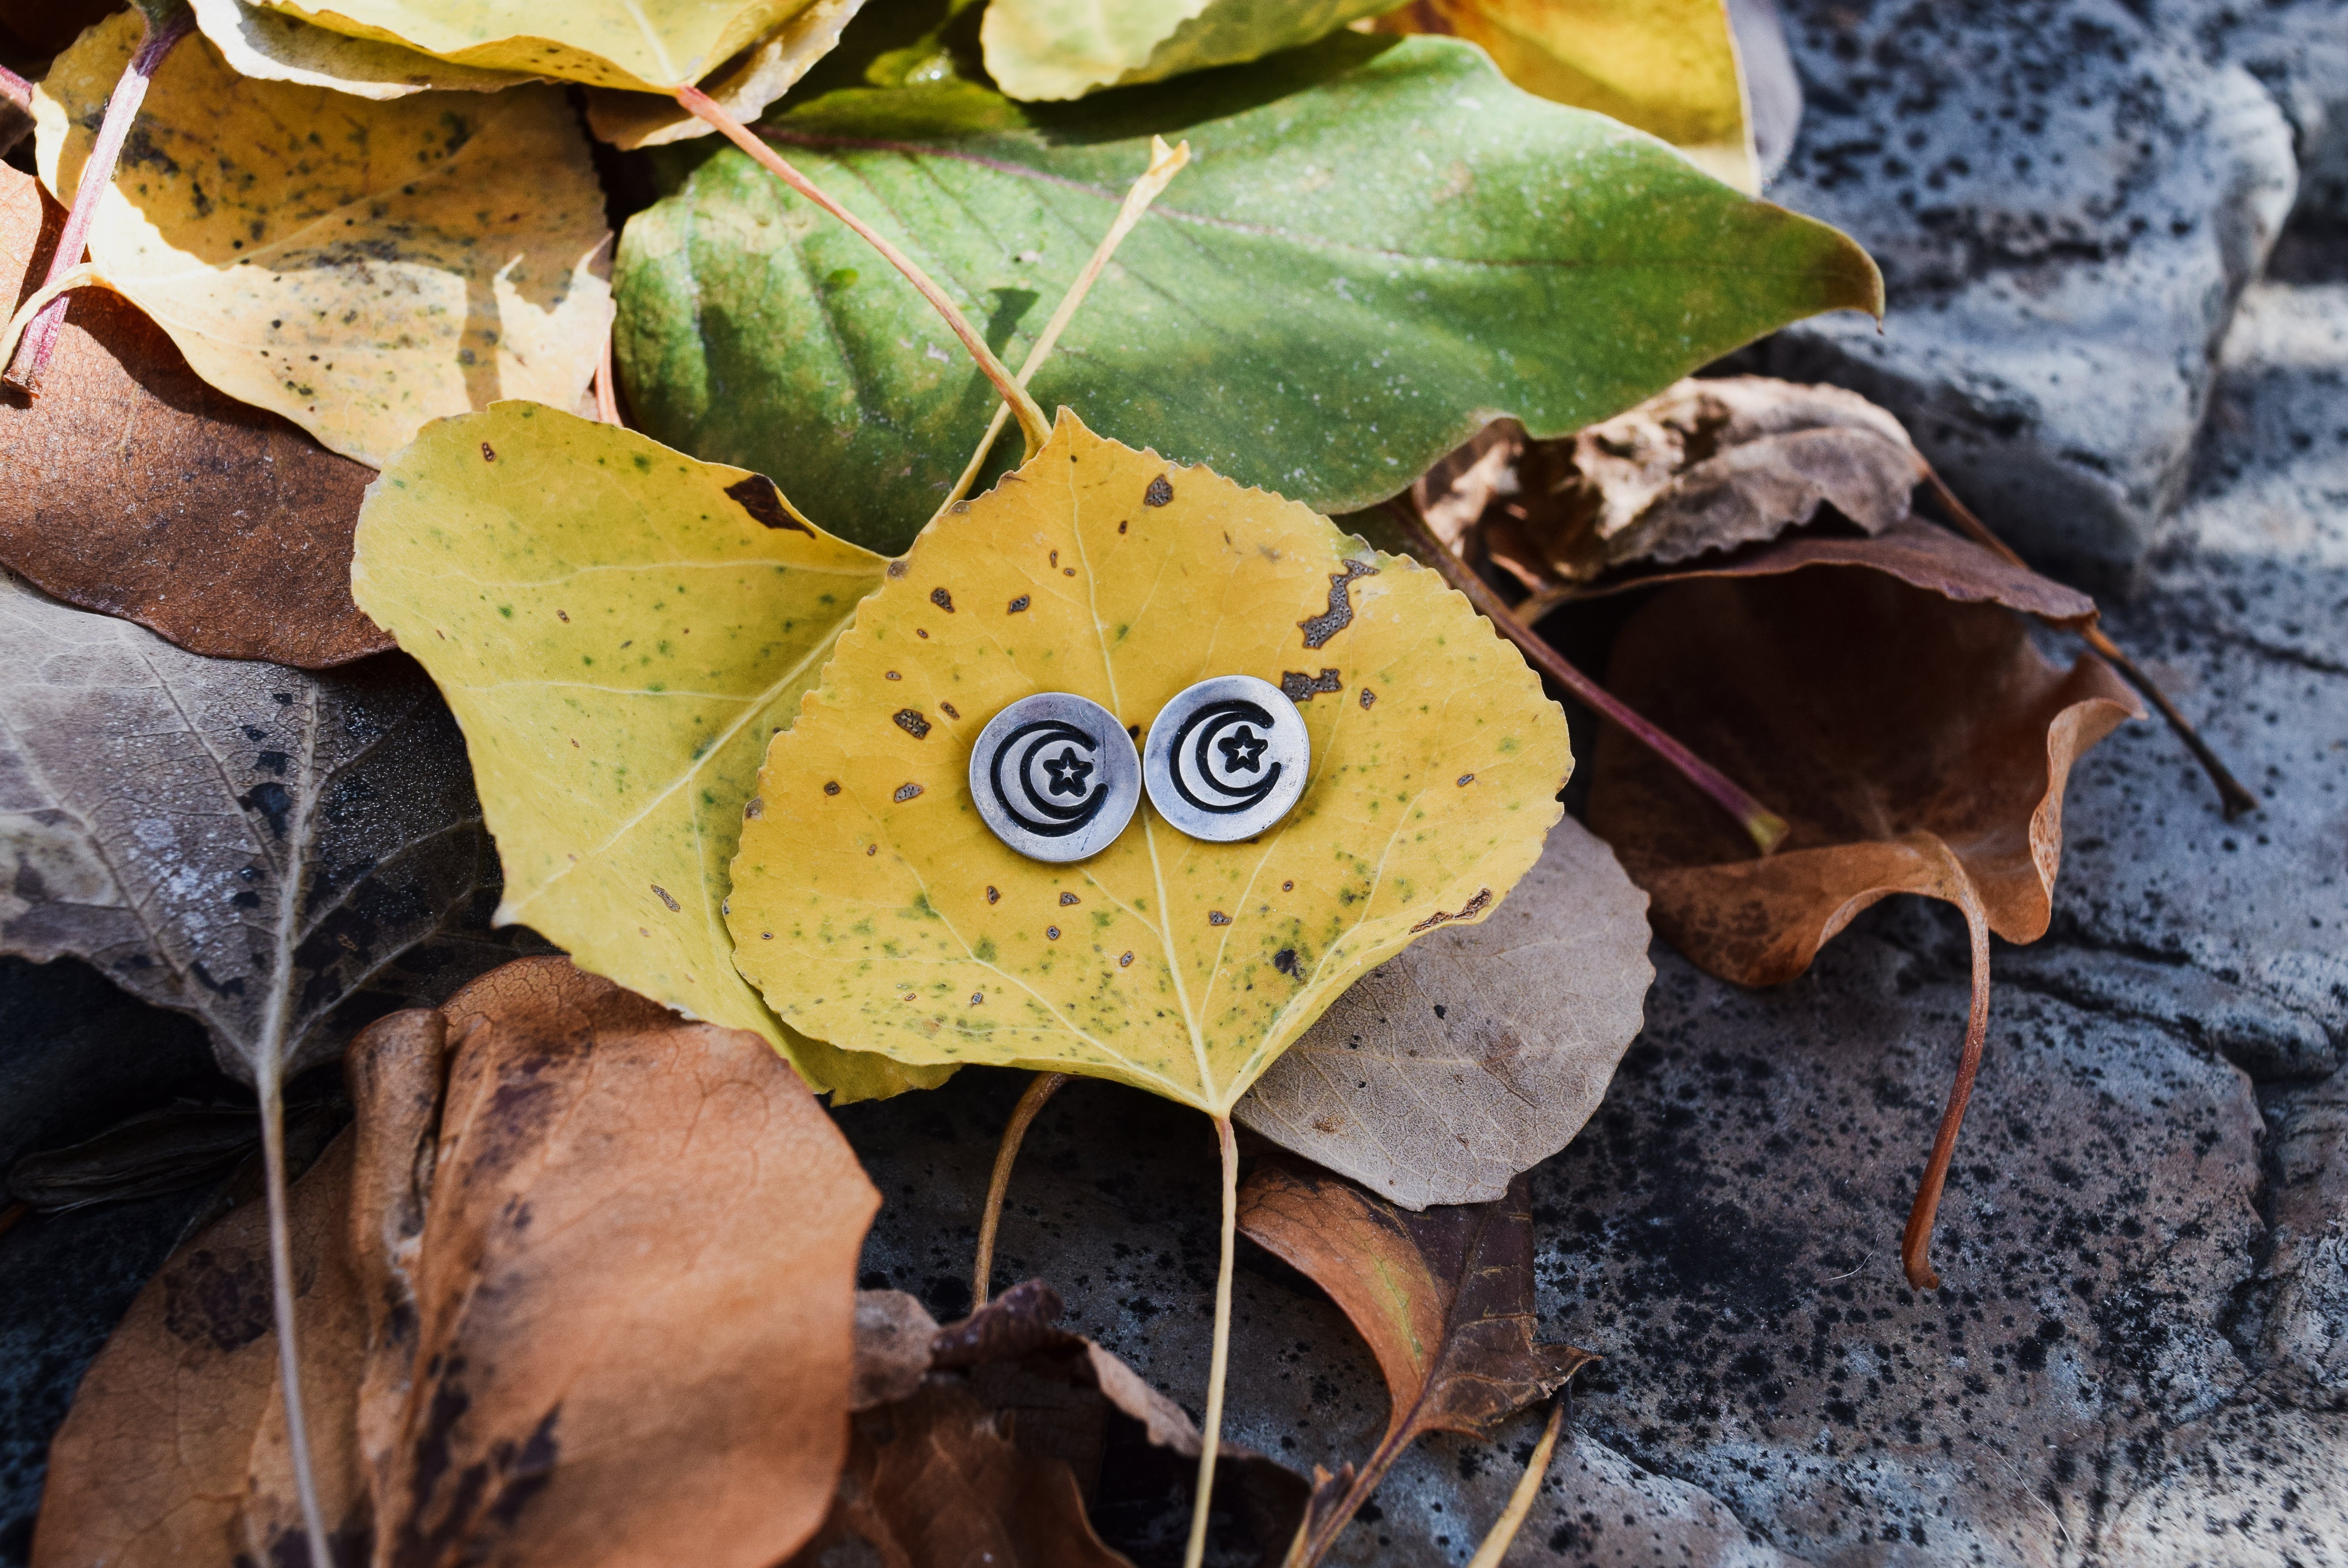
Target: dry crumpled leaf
[1477, 1052]
[592, 1300]
[1047, 49]
[618, 628]
[877, 912]
[434, 255]
[1668, 66]
[985, 1440]
[240, 841]
[131, 488]
[744, 87]
[275, 47]
[1443, 1298]
[644, 46]
[1703, 465]
[1915, 744]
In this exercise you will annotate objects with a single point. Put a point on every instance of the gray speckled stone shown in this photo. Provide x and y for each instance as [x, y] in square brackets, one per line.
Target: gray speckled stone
[2065, 200]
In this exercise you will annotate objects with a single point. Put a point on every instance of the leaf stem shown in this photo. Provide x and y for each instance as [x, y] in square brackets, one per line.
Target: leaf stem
[2233, 798]
[31, 355]
[1767, 828]
[280, 1272]
[16, 90]
[607, 400]
[1031, 423]
[1212, 1436]
[1916, 1245]
[1520, 1501]
[1007, 1154]
[1164, 164]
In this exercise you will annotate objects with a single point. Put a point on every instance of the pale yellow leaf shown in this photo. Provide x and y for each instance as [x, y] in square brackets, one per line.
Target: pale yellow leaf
[876, 911]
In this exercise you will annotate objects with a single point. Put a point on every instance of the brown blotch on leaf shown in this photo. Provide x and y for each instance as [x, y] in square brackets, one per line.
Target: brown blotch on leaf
[872, 850]
[1469, 911]
[759, 495]
[1125, 960]
[911, 721]
[489, 454]
[1917, 744]
[753, 808]
[1369, 698]
[1298, 687]
[1288, 887]
[1319, 629]
[993, 896]
[1159, 493]
[948, 710]
[1121, 527]
[1068, 898]
[890, 675]
[1018, 604]
[1052, 933]
[667, 897]
[899, 567]
[1217, 917]
[905, 792]
[831, 786]
[943, 600]
[1465, 780]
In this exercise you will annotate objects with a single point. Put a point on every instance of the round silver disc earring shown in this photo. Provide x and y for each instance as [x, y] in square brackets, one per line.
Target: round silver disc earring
[1226, 759]
[1056, 777]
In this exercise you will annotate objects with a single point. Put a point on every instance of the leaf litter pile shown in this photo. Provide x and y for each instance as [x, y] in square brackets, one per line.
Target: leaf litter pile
[538, 664]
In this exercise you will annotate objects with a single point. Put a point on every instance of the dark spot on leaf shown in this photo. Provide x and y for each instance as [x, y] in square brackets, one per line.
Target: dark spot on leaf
[757, 495]
[753, 808]
[489, 453]
[911, 721]
[948, 710]
[831, 786]
[1469, 911]
[943, 600]
[1217, 917]
[224, 1300]
[891, 674]
[1125, 960]
[993, 896]
[905, 792]
[1052, 932]
[1068, 898]
[1465, 780]
[1160, 493]
[1285, 962]
[667, 897]
[1298, 687]
[275, 761]
[1017, 605]
[898, 568]
[1121, 527]
[1288, 887]
[1319, 629]
[1368, 697]
[273, 800]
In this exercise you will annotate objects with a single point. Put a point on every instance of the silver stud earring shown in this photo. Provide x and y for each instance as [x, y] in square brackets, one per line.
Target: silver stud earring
[1226, 759]
[1056, 777]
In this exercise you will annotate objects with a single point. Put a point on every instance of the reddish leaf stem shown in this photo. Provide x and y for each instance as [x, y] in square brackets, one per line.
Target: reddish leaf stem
[2233, 798]
[1007, 1154]
[1031, 423]
[1915, 1247]
[32, 356]
[1768, 829]
[16, 90]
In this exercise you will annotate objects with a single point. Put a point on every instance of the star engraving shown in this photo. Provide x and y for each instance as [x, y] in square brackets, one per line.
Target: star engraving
[1068, 772]
[1242, 750]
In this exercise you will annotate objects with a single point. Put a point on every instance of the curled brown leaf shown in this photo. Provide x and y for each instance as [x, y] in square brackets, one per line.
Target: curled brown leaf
[1916, 743]
[1443, 1298]
[591, 1298]
[131, 488]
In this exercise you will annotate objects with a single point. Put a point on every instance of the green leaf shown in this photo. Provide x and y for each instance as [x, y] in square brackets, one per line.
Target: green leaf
[1067, 48]
[1381, 245]
[619, 630]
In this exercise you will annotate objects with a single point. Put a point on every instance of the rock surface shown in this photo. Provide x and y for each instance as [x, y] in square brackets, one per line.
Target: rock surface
[2066, 199]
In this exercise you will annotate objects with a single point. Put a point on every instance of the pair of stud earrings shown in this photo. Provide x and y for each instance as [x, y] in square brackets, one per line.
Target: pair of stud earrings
[1057, 778]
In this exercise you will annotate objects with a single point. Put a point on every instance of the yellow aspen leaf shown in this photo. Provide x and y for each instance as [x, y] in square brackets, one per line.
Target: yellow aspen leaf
[877, 911]
[650, 46]
[359, 267]
[1668, 66]
[744, 89]
[618, 628]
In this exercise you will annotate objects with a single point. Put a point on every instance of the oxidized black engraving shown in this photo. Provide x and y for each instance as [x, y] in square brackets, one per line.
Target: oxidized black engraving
[1217, 756]
[1043, 777]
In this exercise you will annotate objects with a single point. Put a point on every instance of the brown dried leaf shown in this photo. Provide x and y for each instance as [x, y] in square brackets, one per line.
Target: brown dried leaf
[1919, 553]
[1443, 1298]
[594, 1300]
[1478, 1052]
[1704, 465]
[992, 1434]
[179, 1425]
[131, 488]
[1916, 745]
[1909, 740]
